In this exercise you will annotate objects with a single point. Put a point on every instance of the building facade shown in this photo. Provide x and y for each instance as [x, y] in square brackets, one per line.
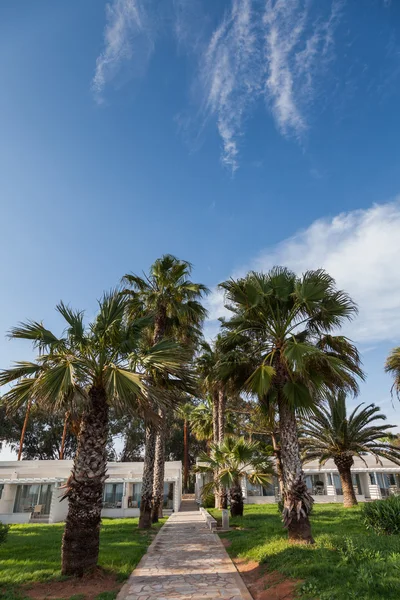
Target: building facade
[371, 480]
[31, 490]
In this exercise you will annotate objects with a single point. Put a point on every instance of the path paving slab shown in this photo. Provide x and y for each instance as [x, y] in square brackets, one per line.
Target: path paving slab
[186, 561]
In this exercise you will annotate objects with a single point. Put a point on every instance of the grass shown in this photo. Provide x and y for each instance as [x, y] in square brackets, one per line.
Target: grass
[32, 553]
[346, 563]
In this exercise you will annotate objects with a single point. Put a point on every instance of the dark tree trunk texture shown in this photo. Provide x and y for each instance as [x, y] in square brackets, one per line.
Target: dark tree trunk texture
[185, 457]
[147, 480]
[159, 469]
[297, 502]
[80, 545]
[278, 461]
[344, 462]
[236, 500]
[215, 399]
[21, 441]
[221, 414]
[223, 496]
[159, 460]
[64, 435]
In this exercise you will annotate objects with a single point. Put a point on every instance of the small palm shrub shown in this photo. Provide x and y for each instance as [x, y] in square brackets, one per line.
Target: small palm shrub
[3, 532]
[382, 516]
[208, 501]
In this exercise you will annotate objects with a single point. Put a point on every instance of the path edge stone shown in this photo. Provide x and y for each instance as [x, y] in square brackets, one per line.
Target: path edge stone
[240, 583]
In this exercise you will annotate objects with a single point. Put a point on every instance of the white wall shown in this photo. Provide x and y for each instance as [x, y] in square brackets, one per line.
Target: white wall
[58, 510]
[8, 499]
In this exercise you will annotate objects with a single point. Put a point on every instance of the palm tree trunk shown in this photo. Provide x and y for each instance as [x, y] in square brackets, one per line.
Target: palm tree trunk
[236, 500]
[159, 469]
[185, 457]
[64, 435]
[215, 399]
[215, 417]
[147, 479]
[278, 461]
[223, 496]
[21, 441]
[80, 545]
[297, 502]
[221, 414]
[344, 464]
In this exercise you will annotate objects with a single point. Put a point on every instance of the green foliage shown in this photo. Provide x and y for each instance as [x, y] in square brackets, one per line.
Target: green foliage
[330, 432]
[233, 459]
[208, 501]
[4, 529]
[346, 563]
[383, 516]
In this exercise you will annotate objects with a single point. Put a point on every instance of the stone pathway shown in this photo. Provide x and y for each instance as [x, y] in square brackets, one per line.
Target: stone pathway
[186, 561]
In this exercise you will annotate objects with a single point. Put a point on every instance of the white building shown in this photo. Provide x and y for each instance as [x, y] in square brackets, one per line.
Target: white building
[371, 482]
[30, 490]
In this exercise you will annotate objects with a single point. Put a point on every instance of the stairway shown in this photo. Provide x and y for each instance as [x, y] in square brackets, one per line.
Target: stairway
[188, 503]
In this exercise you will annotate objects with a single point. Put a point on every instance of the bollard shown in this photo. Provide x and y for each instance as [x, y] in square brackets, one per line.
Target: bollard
[225, 518]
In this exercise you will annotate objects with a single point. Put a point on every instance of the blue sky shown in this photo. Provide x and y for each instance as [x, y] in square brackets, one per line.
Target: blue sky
[235, 134]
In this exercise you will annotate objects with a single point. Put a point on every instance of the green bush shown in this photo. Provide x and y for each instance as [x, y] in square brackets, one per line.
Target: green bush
[3, 532]
[208, 501]
[382, 516]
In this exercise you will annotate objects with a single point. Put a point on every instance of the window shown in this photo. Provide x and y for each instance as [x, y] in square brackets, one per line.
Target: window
[254, 489]
[315, 484]
[1, 489]
[168, 501]
[372, 478]
[356, 483]
[113, 493]
[269, 489]
[29, 496]
[338, 485]
[329, 477]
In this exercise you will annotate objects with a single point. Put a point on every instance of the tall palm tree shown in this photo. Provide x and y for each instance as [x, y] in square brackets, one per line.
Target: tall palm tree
[185, 412]
[392, 366]
[235, 459]
[330, 433]
[201, 420]
[93, 366]
[288, 323]
[173, 300]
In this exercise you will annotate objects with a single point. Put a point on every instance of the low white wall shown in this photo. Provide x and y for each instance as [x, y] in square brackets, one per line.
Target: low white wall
[119, 513]
[259, 500]
[15, 518]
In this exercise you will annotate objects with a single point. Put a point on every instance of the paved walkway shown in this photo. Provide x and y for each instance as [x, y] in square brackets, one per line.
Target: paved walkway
[186, 561]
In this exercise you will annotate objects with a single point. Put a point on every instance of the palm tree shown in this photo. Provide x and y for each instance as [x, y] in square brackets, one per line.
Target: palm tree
[233, 460]
[392, 366]
[287, 322]
[95, 366]
[185, 412]
[330, 433]
[173, 300]
[201, 420]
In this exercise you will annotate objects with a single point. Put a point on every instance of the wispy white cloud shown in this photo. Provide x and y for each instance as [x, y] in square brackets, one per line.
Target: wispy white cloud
[276, 51]
[128, 33]
[298, 46]
[360, 249]
[230, 75]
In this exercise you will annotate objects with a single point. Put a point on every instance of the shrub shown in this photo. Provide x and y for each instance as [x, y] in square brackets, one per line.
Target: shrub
[382, 516]
[3, 532]
[208, 501]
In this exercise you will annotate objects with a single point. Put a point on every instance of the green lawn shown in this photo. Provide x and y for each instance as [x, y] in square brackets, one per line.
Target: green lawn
[346, 563]
[32, 552]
